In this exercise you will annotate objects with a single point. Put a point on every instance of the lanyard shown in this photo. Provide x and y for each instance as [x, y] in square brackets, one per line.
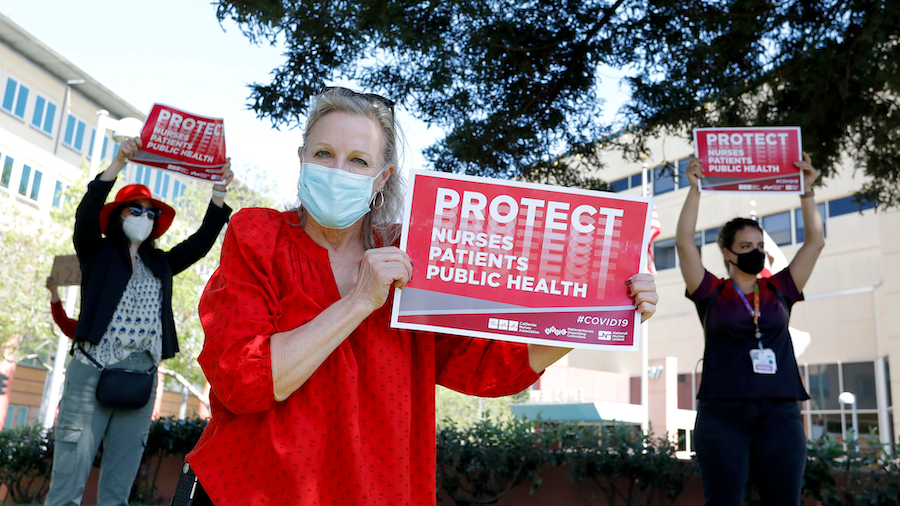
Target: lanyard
[754, 311]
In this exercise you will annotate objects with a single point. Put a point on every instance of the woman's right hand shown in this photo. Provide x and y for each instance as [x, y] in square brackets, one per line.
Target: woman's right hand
[379, 270]
[694, 172]
[129, 149]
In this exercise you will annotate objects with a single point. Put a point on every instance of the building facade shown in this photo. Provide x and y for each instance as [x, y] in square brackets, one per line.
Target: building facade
[853, 331]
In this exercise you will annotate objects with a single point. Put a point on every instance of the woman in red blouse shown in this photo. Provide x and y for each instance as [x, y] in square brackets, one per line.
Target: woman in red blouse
[315, 399]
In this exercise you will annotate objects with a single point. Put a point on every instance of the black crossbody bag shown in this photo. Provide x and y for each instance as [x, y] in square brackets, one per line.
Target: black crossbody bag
[122, 388]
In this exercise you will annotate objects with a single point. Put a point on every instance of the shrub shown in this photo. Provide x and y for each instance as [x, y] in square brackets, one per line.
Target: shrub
[480, 463]
[626, 464]
[26, 455]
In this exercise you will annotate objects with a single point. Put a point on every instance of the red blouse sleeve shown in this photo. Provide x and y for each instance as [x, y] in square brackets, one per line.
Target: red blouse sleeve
[66, 324]
[482, 367]
[237, 312]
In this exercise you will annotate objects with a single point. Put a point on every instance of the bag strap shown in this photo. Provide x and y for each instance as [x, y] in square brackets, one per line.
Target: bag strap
[712, 297]
[781, 298]
[89, 357]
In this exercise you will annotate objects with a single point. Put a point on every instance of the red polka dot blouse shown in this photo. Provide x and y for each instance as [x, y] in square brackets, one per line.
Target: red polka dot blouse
[361, 430]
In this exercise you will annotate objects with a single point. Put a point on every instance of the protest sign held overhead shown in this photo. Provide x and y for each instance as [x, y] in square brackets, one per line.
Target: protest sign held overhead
[522, 262]
[184, 143]
[749, 159]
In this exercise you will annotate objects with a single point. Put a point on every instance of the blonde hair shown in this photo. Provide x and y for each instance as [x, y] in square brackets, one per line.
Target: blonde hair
[381, 226]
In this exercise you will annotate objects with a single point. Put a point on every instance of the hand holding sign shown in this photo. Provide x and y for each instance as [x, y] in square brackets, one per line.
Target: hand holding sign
[643, 288]
[129, 149]
[810, 173]
[379, 270]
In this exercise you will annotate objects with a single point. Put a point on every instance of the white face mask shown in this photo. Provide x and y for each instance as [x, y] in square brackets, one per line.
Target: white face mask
[137, 228]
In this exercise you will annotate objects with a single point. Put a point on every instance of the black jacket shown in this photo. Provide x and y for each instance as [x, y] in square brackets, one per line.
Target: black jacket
[106, 266]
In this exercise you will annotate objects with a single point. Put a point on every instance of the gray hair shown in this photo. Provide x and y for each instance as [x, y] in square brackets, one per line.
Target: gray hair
[381, 226]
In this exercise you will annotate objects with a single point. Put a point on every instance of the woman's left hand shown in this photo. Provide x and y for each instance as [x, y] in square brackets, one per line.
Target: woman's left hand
[642, 288]
[227, 176]
[810, 173]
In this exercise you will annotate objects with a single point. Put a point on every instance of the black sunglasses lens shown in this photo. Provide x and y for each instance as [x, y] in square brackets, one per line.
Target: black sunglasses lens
[152, 213]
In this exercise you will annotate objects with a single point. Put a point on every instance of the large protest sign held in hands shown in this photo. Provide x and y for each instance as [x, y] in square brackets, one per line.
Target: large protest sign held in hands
[184, 143]
[522, 262]
[754, 159]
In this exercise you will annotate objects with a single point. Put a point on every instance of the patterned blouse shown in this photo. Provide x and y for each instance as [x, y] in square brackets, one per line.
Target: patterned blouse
[136, 325]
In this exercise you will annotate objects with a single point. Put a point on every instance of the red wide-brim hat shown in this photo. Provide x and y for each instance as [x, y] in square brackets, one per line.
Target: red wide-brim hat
[134, 192]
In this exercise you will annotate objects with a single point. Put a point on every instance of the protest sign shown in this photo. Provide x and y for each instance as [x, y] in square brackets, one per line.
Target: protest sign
[749, 159]
[184, 143]
[522, 262]
[66, 270]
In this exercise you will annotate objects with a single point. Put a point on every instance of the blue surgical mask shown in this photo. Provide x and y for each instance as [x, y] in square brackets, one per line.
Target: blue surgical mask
[334, 198]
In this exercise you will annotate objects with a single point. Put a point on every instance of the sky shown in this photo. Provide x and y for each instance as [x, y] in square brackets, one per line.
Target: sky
[175, 52]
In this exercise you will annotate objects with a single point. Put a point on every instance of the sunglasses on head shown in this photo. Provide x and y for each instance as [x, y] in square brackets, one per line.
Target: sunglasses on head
[371, 97]
[137, 210]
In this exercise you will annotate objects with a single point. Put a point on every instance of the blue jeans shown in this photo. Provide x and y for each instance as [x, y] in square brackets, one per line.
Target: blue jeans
[736, 437]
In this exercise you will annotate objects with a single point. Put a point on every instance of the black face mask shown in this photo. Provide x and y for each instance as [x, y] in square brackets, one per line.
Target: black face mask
[751, 262]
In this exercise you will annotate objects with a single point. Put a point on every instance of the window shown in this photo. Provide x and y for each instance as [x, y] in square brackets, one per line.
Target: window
[36, 185]
[22, 419]
[58, 194]
[44, 115]
[165, 185]
[619, 185]
[15, 98]
[859, 379]
[637, 180]
[664, 254]
[177, 189]
[74, 136]
[663, 180]
[778, 226]
[798, 219]
[824, 386]
[711, 235]
[7, 171]
[115, 150]
[10, 422]
[157, 186]
[90, 148]
[26, 176]
[146, 175]
[848, 205]
[698, 240]
[682, 179]
[103, 149]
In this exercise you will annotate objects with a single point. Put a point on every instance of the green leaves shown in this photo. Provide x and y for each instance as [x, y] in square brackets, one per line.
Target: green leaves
[515, 84]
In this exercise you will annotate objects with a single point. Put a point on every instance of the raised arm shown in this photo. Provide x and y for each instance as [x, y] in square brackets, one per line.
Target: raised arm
[801, 266]
[87, 236]
[688, 257]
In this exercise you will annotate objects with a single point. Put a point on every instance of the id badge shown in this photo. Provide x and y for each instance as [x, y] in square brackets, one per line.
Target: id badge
[763, 361]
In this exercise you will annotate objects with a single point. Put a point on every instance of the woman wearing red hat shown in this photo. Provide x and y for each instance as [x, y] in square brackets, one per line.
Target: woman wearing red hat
[126, 322]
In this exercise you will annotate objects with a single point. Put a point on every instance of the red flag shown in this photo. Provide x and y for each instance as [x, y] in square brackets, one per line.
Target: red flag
[654, 231]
